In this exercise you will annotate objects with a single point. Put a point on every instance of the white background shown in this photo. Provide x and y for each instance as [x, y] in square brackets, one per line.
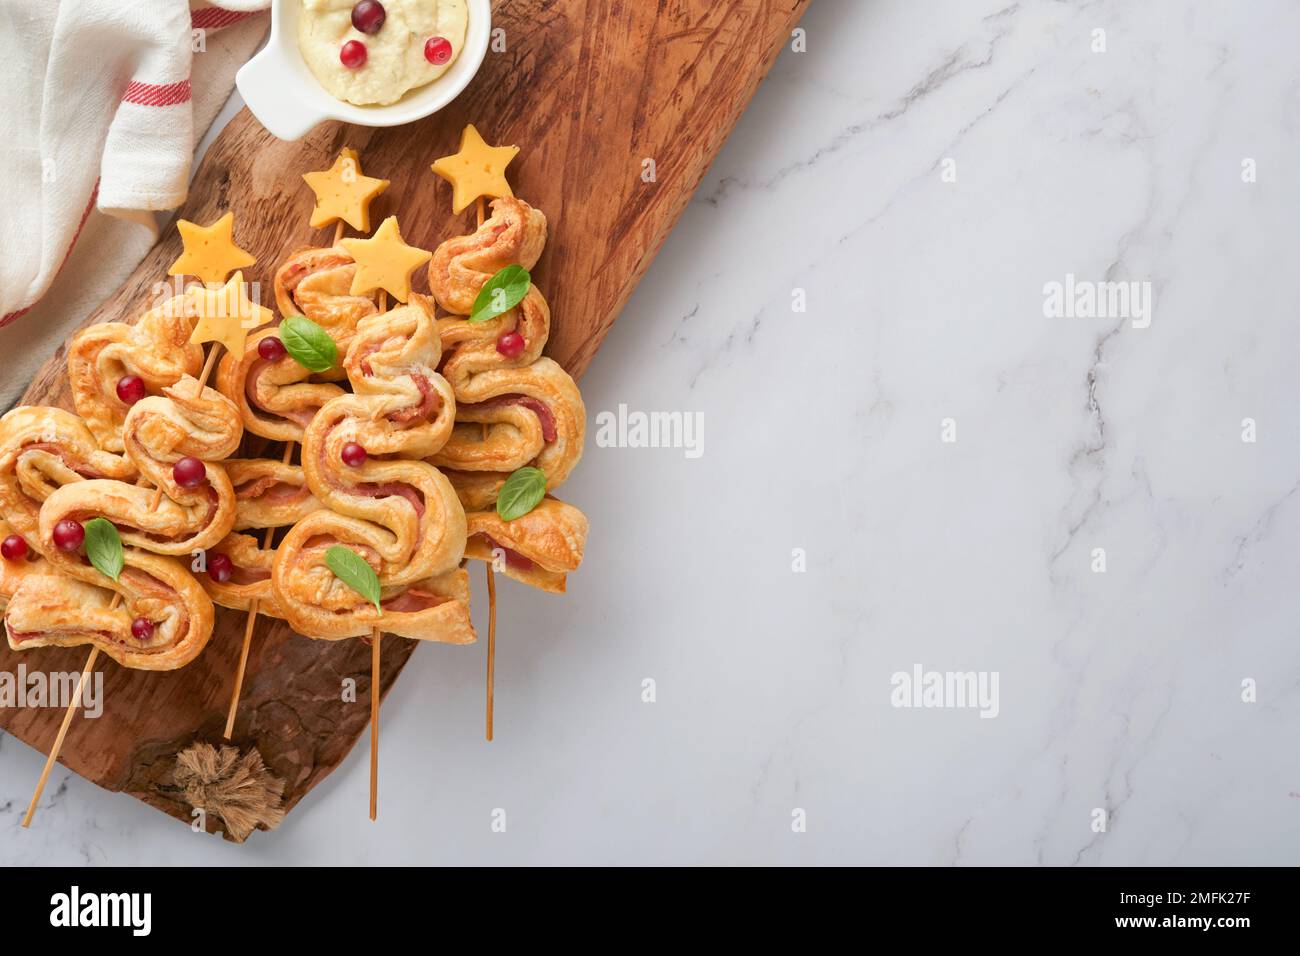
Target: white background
[1120, 690]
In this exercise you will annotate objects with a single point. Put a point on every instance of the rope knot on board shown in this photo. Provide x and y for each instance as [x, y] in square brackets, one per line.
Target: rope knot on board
[236, 787]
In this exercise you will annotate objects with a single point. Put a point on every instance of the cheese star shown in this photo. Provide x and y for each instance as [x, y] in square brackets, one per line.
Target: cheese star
[225, 314]
[210, 251]
[343, 193]
[477, 170]
[384, 261]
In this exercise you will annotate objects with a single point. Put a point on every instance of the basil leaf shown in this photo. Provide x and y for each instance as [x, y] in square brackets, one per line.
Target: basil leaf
[501, 293]
[309, 344]
[104, 547]
[350, 568]
[522, 492]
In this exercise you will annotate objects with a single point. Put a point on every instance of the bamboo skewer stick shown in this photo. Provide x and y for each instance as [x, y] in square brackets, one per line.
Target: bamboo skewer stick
[63, 732]
[480, 213]
[375, 637]
[492, 644]
[248, 628]
[94, 651]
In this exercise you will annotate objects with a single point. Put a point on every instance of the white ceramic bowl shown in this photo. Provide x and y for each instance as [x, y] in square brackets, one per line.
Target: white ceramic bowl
[282, 93]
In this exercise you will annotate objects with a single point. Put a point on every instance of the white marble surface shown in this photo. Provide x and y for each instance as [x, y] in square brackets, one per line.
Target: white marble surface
[1120, 690]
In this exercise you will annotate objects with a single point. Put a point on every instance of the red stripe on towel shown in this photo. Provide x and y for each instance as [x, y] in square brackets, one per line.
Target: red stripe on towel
[157, 94]
[94, 194]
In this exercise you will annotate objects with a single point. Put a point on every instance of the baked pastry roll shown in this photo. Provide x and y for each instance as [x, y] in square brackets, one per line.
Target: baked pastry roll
[41, 450]
[317, 283]
[276, 399]
[250, 579]
[538, 549]
[156, 348]
[515, 234]
[158, 431]
[396, 510]
[268, 494]
[73, 607]
[509, 418]
[512, 410]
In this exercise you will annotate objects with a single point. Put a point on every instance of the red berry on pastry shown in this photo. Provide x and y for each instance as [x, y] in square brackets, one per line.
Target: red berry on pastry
[189, 472]
[220, 567]
[68, 535]
[437, 50]
[511, 344]
[130, 389]
[368, 16]
[14, 548]
[353, 54]
[142, 629]
[353, 455]
[271, 349]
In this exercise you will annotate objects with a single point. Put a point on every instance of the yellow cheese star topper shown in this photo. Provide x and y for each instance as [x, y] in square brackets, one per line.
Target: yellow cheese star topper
[343, 193]
[384, 261]
[477, 170]
[210, 251]
[225, 314]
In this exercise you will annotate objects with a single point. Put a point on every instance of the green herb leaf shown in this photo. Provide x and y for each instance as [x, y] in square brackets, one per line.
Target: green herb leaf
[522, 492]
[350, 568]
[104, 547]
[309, 344]
[501, 293]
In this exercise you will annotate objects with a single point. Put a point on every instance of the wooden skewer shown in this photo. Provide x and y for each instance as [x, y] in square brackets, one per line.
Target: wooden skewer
[94, 651]
[63, 732]
[480, 211]
[492, 643]
[375, 637]
[338, 231]
[248, 627]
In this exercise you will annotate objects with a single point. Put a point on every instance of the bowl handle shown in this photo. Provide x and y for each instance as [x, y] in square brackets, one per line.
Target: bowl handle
[268, 87]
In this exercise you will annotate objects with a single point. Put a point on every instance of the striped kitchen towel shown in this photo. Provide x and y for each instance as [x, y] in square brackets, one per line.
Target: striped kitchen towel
[103, 103]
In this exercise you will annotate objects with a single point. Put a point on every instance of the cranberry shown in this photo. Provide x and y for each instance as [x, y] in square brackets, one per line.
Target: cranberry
[353, 455]
[142, 629]
[368, 16]
[437, 50]
[353, 54]
[14, 548]
[130, 389]
[220, 567]
[271, 349]
[511, 344]
[189, 472]
[68, 535]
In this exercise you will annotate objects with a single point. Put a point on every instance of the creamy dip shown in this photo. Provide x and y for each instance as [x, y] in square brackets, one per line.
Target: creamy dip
[395, 60]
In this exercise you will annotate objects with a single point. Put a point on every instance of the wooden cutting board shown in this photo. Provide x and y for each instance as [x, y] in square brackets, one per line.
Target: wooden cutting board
[590, 90]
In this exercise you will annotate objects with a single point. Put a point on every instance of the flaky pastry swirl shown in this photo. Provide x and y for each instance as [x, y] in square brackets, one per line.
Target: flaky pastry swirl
[515, 234]
[277, 399]
[156, 348]
[511, 411]
[42, 449]
[159, 430]
[400, 513]
[268, 494]
[533, 416]
[49, 455]
[538, 549]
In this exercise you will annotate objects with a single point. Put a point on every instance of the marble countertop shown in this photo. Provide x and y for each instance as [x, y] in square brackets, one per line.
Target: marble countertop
[988, 318]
